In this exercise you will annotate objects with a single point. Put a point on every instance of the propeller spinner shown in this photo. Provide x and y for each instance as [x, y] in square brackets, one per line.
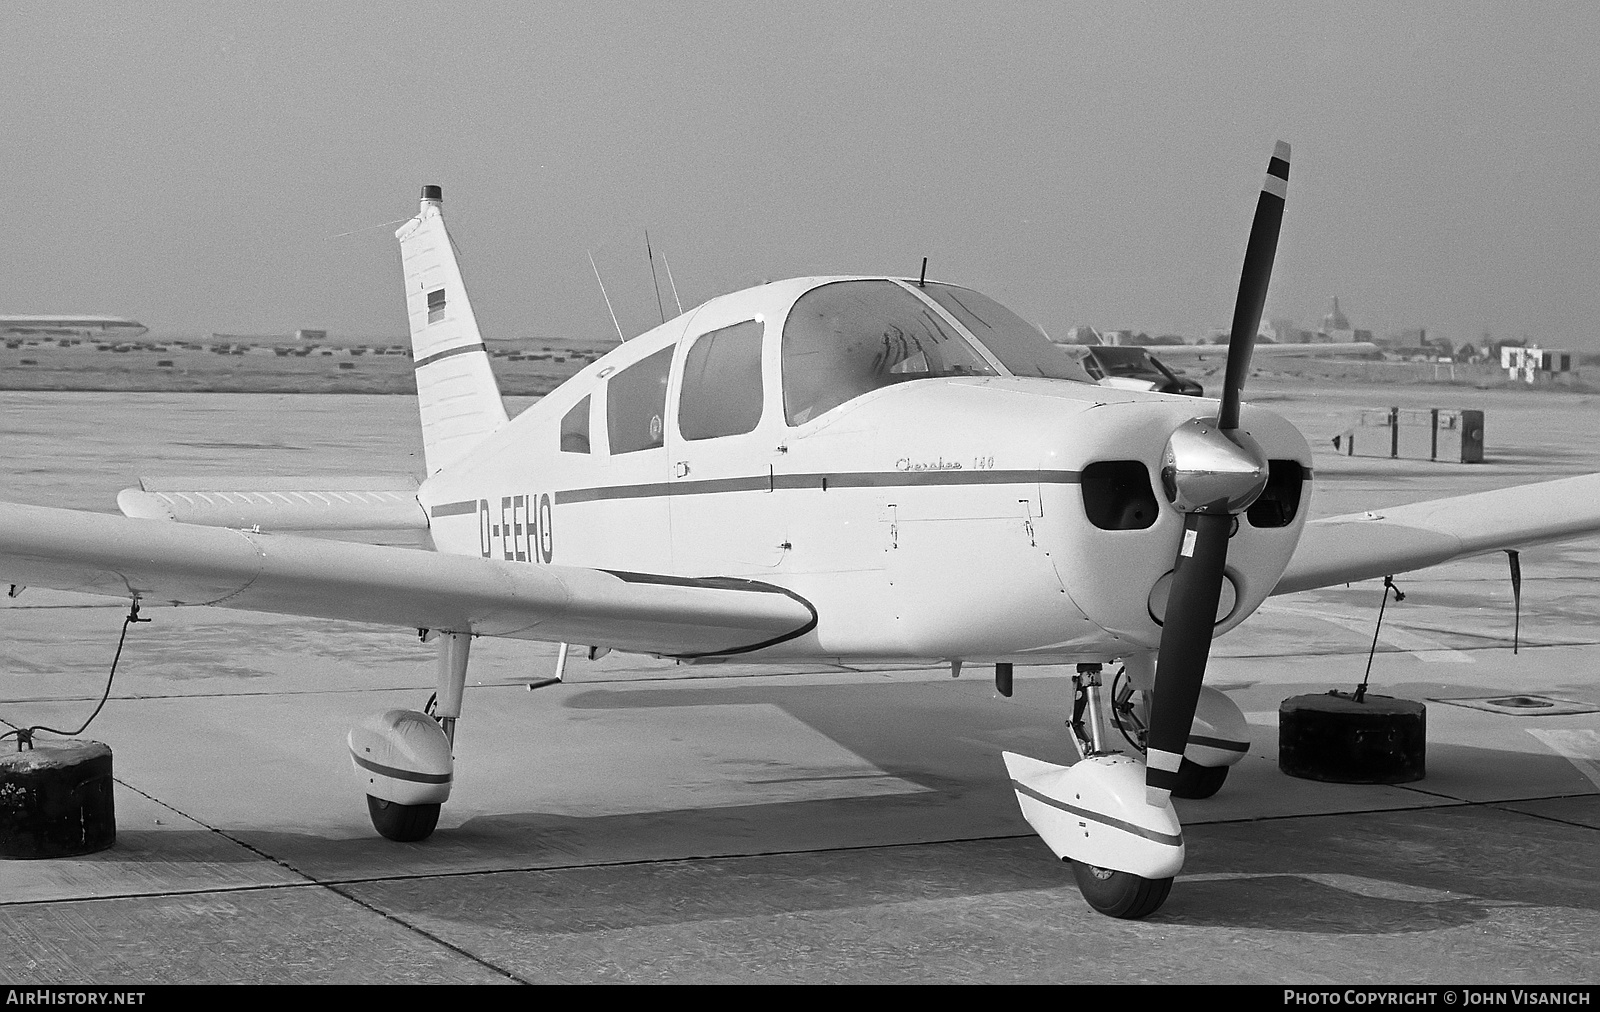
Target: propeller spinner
[1212, 472]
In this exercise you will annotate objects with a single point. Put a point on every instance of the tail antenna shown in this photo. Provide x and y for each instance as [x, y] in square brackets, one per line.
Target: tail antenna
[603, 295]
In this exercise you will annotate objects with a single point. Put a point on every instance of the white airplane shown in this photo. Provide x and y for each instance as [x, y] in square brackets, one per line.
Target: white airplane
[846, 469]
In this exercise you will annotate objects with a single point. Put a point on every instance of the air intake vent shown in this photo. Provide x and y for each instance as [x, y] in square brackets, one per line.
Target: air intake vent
[1280, 501]
[1117, 495]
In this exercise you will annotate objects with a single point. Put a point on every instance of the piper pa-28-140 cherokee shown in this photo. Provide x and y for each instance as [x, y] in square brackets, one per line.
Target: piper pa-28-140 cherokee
[848, 469]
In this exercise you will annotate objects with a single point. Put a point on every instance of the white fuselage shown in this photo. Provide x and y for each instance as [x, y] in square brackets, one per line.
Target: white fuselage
[941, 518]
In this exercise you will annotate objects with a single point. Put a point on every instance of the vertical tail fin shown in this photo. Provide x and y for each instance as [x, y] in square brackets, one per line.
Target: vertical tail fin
[456, 392]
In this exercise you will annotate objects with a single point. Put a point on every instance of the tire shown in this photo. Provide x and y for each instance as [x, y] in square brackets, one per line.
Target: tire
[1120, 893]
[1196, 781]
[402, 823]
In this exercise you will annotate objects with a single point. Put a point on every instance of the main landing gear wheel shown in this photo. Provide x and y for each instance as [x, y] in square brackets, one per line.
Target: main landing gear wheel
[1196, 781]
[1120, 893]
[402, 823]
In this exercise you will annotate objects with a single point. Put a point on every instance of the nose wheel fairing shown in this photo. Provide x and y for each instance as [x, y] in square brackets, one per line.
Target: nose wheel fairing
[1094, 812]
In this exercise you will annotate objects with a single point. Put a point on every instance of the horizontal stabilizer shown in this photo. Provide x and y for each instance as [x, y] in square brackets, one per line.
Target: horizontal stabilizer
[383, 503]
[176, 564]
[1363, 546]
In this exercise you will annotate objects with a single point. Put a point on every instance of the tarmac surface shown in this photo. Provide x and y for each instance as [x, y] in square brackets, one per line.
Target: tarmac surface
[649, 822]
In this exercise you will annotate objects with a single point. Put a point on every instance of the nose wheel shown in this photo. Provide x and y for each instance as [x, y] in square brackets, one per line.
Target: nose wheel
[1120, 893]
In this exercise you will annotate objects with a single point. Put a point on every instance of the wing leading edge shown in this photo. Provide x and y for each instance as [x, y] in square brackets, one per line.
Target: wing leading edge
[1362, 546]
[161, 562]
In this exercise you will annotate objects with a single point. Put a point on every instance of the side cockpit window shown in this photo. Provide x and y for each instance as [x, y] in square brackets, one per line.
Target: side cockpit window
[575, 428]
[851, 337]
[636, 403]
[722, 393]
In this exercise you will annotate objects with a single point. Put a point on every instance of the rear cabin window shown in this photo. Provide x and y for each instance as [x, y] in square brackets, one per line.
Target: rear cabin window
[722, 392]
[1018, 344]
[851, 337]
[575, 428]
[636, 403]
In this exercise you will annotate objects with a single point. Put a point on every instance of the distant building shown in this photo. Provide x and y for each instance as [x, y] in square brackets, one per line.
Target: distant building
[71, 326]
[1285, 331]
[1336, 327]
[310, 335]
[1532, 364]
[1078, 335]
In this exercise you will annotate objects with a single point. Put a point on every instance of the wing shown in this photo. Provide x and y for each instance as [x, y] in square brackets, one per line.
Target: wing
[1361, 546]
[164, 563]
[1187, 354]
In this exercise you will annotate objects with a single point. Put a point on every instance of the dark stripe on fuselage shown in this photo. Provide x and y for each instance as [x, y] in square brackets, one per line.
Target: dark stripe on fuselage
[773, 482]
[437, 356]
[1105, 820]
[821, 482]
[454, 509]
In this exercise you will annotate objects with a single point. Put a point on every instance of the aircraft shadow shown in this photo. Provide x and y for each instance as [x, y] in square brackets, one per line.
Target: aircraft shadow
[606, 898]
[1384, 872]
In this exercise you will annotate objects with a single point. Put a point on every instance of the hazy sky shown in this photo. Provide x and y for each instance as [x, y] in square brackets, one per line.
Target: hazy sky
[194, 165]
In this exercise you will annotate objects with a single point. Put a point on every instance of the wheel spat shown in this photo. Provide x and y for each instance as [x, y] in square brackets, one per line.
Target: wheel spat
[1212, 472]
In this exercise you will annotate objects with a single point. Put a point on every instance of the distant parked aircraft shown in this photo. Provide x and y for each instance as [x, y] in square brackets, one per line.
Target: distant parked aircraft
[70, 326]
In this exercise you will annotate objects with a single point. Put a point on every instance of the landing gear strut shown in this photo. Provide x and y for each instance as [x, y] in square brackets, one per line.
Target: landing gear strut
[404, 757]
[1099, 779]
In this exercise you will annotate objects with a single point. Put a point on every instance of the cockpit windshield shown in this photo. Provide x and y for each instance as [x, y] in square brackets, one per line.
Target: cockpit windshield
[850, 337]
[1019, 345]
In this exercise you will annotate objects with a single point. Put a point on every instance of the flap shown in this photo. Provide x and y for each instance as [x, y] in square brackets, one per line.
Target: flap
[379, 503]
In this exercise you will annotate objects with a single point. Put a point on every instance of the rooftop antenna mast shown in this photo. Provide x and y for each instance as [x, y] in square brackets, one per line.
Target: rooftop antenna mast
[603, 295]
[653, 279]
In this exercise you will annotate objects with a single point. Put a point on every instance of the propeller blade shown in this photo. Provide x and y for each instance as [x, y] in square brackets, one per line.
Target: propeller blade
[1258, 257]
[1185, 647]
[1212, 475]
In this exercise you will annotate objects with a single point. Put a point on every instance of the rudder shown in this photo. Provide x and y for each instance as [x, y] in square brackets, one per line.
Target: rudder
[457, 395]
